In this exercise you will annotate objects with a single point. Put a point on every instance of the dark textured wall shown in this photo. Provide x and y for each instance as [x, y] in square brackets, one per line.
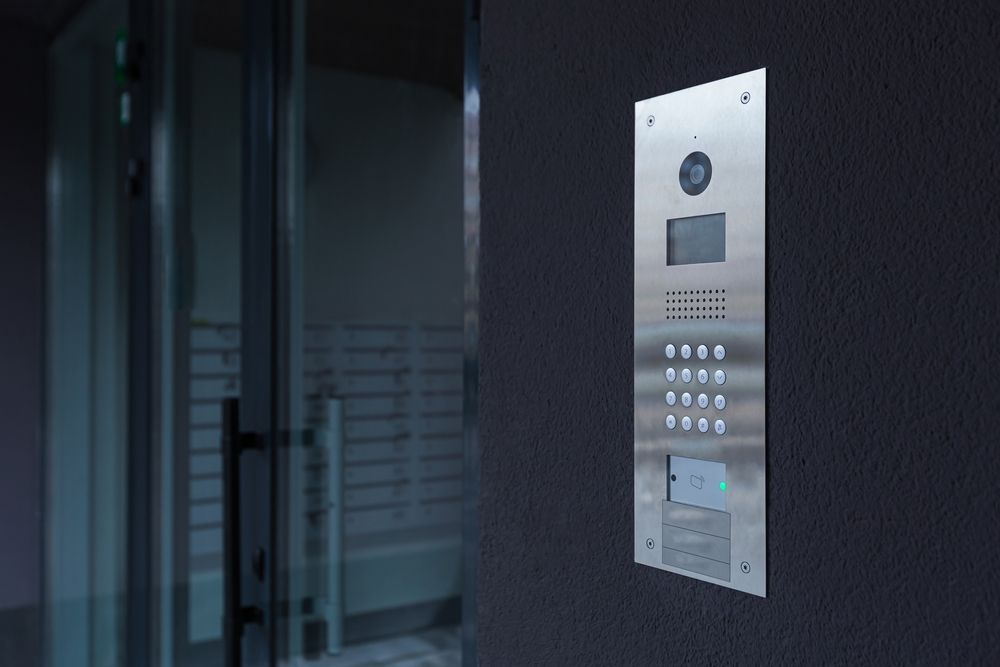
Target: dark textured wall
[883, 246]
[22, 224]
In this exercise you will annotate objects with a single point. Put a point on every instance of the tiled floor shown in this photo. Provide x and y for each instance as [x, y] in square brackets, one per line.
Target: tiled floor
[438, 647]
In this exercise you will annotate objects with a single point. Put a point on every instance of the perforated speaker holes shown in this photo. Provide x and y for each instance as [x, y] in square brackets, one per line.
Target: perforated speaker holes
[704, 304]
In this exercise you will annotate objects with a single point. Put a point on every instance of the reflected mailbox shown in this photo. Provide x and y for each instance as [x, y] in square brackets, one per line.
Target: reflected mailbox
[699, 396]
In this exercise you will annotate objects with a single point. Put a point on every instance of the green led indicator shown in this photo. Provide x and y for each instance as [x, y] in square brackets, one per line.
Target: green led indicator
[722, 486]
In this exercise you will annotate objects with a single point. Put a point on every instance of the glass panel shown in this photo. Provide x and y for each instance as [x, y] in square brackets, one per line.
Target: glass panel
[372, 311]
[86, 347]
[197, 154]
[696, 240]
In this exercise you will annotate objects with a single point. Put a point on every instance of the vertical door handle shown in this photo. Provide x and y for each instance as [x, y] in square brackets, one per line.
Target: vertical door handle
[235, 615]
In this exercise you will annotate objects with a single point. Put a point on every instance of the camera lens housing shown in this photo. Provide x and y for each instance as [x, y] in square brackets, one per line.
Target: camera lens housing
[696, 173]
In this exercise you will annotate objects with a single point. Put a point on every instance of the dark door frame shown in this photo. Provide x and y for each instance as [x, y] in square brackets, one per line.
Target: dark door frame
[139, 533]
[258, 355]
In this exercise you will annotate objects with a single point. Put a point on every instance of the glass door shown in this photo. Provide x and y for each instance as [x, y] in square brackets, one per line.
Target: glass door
[307, 467]
[216, 441]
[86, 347]
[198, 155]
[370, 279]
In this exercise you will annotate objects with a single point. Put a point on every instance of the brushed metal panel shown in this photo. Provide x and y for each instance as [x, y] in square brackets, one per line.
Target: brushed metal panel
[696, 544]
[687, 563]
[712, 119]
[689, 517]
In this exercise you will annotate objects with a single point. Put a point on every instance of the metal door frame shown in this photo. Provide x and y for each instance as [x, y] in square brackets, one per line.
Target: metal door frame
[470, 374]
[258, 354]
[139, 571]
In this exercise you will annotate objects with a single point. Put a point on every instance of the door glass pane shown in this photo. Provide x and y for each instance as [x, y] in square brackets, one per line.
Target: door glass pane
[86, 347]
[197, 154]
[370, 509]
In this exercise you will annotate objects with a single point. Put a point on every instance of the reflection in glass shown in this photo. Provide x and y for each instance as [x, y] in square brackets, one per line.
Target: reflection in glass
[697, 239]
[373, 277]
[197, 148]
[86, 344]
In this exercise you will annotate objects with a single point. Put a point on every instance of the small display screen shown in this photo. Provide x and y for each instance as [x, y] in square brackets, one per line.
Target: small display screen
[696, 240]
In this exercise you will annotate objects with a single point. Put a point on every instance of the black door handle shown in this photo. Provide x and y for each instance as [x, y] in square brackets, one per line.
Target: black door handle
[235, 615]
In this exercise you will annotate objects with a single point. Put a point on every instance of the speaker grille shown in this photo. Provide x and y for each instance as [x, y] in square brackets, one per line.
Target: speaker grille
[699, 304]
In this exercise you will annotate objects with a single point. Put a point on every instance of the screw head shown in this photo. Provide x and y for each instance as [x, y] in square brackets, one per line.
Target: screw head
[745, 567]
[650, 543]
[650, 120]
[745, 97]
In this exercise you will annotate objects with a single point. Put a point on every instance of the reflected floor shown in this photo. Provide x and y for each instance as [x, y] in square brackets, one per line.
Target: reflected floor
[437, 647]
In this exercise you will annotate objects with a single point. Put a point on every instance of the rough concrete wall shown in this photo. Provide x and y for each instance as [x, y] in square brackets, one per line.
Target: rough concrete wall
[22, 225]
[883, 398]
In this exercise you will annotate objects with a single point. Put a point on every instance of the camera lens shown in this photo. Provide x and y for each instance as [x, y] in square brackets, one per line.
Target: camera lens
[696, 173]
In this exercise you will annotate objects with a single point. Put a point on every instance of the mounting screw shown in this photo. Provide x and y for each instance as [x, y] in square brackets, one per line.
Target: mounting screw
[745, 97]
[745, 567]
[650, 543]
[650, 120]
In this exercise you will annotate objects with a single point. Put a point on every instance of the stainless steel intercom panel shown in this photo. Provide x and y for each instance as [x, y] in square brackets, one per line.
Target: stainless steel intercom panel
[699, 333]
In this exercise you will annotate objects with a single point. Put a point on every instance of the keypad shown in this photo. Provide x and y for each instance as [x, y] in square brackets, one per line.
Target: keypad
[711, 376]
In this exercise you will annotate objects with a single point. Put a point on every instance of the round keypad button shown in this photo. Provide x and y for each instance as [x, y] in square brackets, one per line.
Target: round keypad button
[686, 423]
[702, 352]
[720, 352]
[686, 400]
[720, 377]
[671, 375]
[670, 351]
[686, 375]
[702, 376]
[720, 402]
[720, 426]
[671, 422]
[702, 401]
[686, 351]
[703, 425]
[671, 398]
